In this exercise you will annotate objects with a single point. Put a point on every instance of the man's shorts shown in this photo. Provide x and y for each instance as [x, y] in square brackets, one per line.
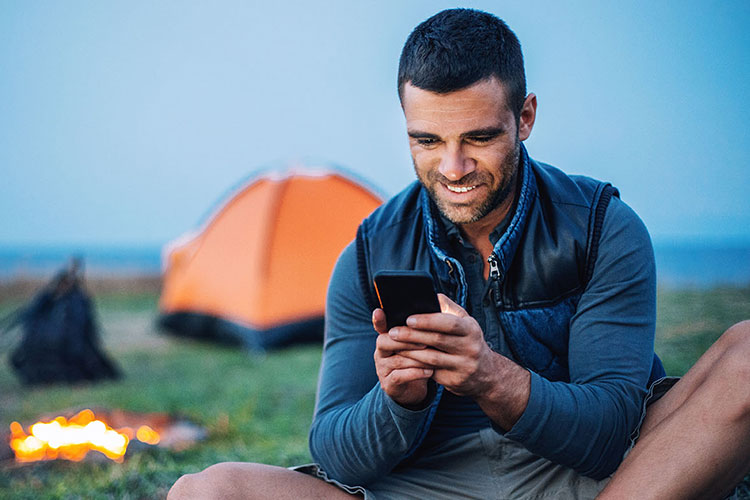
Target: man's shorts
[484, 465]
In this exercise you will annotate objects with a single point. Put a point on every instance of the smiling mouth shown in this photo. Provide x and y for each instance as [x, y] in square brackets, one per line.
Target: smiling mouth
[459, 189]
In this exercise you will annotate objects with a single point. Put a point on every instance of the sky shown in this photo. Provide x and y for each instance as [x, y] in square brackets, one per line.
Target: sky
[124, 123]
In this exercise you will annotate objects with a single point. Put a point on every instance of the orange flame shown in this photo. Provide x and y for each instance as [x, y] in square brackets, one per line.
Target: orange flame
[72, 440]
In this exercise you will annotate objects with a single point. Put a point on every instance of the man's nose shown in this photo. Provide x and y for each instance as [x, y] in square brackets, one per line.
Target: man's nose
[455, 164]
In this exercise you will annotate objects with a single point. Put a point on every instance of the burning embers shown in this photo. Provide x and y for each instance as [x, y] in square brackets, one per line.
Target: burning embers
[73, 439]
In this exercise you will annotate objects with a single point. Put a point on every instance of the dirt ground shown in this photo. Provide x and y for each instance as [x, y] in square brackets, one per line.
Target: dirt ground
[125, 308]
[23, 288]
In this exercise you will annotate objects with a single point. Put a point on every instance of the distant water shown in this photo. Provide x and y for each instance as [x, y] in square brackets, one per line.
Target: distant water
[702, 265]
[98, 261]
[678, 265]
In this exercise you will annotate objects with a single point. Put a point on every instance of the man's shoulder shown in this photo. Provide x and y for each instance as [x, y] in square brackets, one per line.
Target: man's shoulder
[573, 189]
[557, 186]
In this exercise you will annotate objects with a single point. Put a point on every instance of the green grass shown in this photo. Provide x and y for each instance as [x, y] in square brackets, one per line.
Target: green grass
[689, 321]
[254, 407]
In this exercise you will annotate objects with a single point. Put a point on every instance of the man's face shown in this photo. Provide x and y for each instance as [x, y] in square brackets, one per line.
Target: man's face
[465, 147]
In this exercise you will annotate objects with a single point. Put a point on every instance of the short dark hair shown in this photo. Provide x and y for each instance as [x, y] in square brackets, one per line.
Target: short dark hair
[456, 48]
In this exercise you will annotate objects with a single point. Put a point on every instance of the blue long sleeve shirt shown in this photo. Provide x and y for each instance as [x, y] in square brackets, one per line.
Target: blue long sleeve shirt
[359, 433]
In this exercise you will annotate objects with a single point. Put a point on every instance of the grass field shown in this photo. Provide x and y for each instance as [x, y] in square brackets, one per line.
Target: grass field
[255, 407]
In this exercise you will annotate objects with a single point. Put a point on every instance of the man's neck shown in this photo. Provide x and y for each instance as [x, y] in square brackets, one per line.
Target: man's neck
[478, 233]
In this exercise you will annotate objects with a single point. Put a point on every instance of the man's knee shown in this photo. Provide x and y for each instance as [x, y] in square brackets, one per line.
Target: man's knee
[184, 487]
[734, 365]
[736, 347]
[215, 481]
[739, 333]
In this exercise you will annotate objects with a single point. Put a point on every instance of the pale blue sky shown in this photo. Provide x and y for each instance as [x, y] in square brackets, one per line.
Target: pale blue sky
[124, 122]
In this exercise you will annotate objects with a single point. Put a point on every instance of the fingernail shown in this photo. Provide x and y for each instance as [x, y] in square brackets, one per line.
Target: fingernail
[411, 321]
[393, 333]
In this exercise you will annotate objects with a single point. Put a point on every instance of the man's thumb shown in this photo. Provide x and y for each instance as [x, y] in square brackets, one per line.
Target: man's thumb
[449, 307]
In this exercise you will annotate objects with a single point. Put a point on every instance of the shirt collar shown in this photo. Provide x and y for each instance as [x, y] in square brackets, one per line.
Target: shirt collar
[455, 236]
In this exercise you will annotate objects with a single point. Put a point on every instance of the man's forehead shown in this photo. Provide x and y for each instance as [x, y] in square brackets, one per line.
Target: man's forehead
[482, 104]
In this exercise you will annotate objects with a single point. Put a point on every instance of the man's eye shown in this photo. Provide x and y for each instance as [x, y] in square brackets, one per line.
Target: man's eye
[481, 139]
[426, 141]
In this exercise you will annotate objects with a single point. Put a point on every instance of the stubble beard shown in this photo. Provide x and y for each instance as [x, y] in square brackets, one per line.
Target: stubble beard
[466, 214]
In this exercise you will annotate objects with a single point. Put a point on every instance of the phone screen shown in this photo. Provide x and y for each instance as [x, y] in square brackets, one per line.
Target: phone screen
[403, 293]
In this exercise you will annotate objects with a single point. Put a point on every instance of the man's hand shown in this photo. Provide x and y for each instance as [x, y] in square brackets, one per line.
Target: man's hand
[403, 379]
[455, 348]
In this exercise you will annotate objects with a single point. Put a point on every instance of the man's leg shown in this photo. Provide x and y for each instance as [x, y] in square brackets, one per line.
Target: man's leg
[247, 481]
[695, 441]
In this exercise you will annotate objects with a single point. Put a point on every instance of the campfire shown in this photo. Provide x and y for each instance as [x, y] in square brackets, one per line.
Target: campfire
[72, 438]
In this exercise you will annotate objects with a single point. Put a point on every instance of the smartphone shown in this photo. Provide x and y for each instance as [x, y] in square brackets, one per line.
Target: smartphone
[403, 293]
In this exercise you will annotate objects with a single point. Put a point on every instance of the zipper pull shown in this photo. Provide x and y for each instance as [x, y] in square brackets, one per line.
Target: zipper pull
[450, 267]
[494, 278]
[454, 281]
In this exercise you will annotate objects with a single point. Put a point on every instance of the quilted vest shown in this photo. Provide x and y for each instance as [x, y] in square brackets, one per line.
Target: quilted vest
[541, 266]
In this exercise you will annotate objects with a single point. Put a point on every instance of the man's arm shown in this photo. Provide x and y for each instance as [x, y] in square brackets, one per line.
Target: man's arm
[358, 432]
[584, 424]
[610, 355]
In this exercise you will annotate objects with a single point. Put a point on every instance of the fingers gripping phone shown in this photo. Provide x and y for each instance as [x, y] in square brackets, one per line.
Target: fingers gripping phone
[403, 293]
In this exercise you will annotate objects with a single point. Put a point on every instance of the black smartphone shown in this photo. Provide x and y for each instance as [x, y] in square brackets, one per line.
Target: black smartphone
[403, 293]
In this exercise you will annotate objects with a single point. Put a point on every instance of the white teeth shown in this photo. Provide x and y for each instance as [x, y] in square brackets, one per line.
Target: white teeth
[458, 189]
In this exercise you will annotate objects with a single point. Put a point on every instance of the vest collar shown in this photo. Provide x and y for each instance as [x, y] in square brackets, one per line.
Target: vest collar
[505, 247]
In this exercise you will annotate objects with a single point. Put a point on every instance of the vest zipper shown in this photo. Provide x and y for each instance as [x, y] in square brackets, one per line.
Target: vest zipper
[494, 278]
[495, 292]
[450, 267]
[454, 280]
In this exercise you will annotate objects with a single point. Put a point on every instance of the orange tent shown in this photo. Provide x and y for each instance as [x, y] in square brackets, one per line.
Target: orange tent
[256, 273]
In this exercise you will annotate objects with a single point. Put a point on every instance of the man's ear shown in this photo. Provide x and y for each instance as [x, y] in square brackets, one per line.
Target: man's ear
[528, 115]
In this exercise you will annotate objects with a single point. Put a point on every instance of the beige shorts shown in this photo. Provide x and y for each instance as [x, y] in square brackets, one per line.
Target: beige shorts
[483, 465]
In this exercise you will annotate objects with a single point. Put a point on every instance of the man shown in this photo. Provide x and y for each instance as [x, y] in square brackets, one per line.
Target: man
[532, 378]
